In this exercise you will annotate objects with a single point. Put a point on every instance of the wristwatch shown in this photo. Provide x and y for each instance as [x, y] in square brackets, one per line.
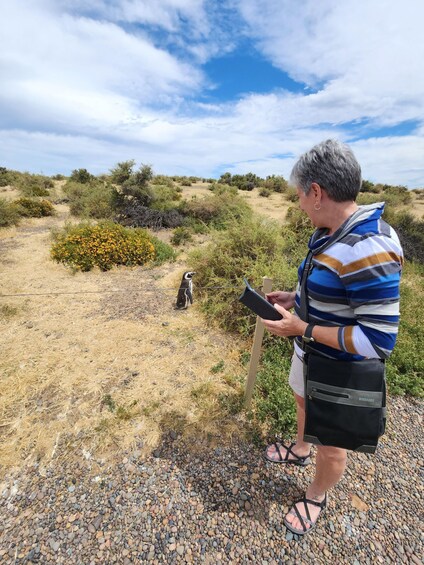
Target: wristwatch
[307, 336]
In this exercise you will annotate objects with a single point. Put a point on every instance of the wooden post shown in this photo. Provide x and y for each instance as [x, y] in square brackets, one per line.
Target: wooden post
[256, 349]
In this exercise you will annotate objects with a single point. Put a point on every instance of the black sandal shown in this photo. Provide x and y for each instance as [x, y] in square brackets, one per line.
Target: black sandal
[302, 461]
[305, 520]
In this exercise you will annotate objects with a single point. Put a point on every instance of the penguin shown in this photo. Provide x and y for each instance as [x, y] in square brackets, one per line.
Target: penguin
[185, 292]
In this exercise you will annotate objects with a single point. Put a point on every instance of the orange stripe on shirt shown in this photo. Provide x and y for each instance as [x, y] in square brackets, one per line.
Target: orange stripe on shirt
[348, 340]
[370, 261]
[329, 261]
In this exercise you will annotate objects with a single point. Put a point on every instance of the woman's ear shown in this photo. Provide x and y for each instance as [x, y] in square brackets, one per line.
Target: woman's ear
[316, 189]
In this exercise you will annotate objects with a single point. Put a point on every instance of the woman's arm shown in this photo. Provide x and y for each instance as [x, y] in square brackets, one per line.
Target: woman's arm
[291, 325]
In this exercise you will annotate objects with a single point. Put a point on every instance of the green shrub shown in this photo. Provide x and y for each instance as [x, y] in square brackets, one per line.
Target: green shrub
[103, 245]
[8, 177]
[218, 210]
[368, 186]
[291, 194]
[90, 200]
[33, 208]
[122, 172]
[276, 183]
[411, 233]
[265, 192]
[164, 197]
[181, 235]
[405, 367]
[81, 176]
[33, 185]
[273, 400]
[251, 247]
[163, 252]
[9, 215]
[163, 180]
[296, 232]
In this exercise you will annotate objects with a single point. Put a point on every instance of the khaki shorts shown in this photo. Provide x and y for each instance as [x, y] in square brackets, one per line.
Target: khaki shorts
[296, 376]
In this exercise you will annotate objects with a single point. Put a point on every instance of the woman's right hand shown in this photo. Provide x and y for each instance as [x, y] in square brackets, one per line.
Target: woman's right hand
[282, 298]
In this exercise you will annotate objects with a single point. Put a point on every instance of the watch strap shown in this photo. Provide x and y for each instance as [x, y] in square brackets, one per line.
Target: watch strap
[307, 336]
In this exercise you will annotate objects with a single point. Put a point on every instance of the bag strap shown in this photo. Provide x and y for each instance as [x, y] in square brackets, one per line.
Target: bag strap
[304, 310]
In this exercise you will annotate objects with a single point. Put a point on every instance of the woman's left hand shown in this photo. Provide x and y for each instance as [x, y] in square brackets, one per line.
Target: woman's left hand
[289, 326]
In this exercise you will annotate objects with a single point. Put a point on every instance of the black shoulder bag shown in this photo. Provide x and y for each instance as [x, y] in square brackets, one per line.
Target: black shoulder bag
[345, 401]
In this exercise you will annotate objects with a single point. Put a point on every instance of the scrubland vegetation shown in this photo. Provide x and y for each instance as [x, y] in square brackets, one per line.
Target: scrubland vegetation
[116, 215]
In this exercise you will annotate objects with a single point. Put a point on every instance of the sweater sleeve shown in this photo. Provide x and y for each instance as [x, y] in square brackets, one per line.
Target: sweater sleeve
[371, 278]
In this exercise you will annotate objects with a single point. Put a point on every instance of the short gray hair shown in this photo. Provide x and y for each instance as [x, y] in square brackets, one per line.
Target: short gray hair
[333, 166]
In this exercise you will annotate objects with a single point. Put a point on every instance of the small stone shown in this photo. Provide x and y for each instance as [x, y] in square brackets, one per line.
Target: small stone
[180, 550]
[289, 536]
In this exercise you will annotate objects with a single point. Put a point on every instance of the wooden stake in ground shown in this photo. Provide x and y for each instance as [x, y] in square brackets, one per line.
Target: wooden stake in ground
[256, 349]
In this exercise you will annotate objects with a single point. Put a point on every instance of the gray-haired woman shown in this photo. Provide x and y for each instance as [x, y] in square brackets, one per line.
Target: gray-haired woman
[353, 294]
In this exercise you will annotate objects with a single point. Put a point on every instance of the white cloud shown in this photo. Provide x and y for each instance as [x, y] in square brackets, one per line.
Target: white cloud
[89, 84]
[80, 72]
[368, 54]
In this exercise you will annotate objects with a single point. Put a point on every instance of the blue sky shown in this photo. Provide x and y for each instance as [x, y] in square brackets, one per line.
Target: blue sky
[201, 87]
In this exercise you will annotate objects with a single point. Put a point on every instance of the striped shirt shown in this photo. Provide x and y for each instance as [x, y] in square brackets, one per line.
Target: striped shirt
[354, 285]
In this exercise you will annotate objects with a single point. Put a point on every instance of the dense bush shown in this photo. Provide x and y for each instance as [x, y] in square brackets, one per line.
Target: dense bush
[181, 235]
[103, 245]
[81, 176]
[291, 194]
[122, 172]
[405, 368]
[90, 200]
[33, 185]
[368, 186]
[163, 180]
[251, 247]
[265, 192]
[164, 197]
[34, 208]
[218, 210]
[242, 182]
[8, 177]
[8, 214]
[411, 234]
[273, 401]
[275, 183]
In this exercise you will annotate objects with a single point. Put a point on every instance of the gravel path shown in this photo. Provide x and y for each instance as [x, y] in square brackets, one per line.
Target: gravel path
[219, 506]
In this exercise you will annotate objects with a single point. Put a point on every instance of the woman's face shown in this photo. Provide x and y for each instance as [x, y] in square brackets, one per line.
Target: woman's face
[306, 203]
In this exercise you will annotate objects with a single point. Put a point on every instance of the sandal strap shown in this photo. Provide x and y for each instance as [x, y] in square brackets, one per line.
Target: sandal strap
[277, 450]
[301, 519]
[298, 457]
[307, 501]
[304, 520]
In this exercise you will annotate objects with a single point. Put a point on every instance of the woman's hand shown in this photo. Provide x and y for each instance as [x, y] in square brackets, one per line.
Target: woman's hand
[289, 326]
[284, 299]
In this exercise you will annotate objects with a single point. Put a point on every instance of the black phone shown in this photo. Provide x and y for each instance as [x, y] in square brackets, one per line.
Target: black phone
[258, 304]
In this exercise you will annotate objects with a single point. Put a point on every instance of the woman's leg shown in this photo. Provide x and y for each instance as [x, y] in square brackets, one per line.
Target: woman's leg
[330, 466]
[301, 448]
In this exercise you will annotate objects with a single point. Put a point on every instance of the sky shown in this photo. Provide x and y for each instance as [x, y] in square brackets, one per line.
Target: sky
[196, 87]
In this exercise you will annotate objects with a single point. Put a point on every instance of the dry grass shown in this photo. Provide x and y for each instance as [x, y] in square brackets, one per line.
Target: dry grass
[101, 372]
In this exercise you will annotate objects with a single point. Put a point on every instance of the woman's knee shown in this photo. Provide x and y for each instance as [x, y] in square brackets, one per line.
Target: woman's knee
[335, 454]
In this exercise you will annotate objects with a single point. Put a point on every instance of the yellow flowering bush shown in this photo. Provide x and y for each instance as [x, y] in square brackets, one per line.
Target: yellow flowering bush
[103, 245]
